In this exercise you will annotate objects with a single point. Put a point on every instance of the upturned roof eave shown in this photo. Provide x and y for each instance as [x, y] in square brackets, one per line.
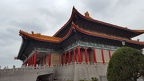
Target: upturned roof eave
[106, 36]
[40, 37]
[108, 24]
[27, 35]
[74, 11]
[139, 31]
[68, 22]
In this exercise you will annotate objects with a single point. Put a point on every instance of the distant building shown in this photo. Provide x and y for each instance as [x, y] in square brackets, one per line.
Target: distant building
[81, 49]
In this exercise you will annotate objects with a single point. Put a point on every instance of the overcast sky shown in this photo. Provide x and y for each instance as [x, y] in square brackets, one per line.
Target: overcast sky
[47, 16]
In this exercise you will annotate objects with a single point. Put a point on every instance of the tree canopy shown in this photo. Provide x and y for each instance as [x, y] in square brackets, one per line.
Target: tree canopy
[126, 64]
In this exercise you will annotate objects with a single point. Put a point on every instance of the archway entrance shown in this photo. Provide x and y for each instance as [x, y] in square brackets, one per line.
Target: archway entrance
[46, 77]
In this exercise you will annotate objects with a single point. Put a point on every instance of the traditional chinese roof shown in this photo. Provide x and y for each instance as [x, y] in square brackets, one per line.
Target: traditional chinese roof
[71, 28]
[106, 36]
[89, 24]
[40, 37]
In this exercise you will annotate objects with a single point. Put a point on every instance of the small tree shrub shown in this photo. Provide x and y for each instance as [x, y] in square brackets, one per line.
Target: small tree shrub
[94, 79]
[126, 64]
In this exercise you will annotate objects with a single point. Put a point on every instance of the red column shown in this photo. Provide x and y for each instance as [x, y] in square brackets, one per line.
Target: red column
[33, 60]
[109, 53]
[79, 54]
[28, 62]
[62, 59]
[35, 56]
[86, 55]
[69, 57]
[49, 57]
[45, 59]
[102, 56]
[41, 61]
[75, 59]
[94, 54]
[65, 60]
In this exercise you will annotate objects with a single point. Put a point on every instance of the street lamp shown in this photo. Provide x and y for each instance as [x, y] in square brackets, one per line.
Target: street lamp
[123, 42]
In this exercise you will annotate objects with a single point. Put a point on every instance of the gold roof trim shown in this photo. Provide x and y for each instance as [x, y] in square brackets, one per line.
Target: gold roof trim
[139, 31]
[87, 14]
[38, 36]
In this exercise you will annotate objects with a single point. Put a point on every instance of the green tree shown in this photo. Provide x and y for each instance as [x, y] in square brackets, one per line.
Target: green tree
[126, 64]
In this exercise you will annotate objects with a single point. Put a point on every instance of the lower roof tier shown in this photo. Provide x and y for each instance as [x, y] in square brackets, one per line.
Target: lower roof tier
[77, 39]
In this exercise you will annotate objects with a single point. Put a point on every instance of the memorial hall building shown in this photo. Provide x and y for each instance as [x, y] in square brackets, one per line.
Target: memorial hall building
[79, 50]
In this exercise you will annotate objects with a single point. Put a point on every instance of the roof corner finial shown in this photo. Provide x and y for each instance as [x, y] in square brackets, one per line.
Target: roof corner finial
[74, 9]
[138, 40]
[87, 14]
[20, 31]
[15, 58]
[32, 32]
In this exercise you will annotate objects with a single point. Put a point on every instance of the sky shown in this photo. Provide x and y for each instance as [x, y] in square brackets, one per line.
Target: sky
[48, 16]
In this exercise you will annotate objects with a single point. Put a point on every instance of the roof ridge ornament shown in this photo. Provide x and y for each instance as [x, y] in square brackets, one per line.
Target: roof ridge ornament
[87, 14]
[32, 32]
[74, 9]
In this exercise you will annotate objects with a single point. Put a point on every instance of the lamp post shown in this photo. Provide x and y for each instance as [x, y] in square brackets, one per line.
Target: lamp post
[123, 42]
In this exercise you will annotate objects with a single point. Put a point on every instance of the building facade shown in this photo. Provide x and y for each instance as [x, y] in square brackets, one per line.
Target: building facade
[80, 50]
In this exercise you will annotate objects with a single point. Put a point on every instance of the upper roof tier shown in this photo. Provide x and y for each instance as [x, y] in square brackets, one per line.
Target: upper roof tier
[88, 23]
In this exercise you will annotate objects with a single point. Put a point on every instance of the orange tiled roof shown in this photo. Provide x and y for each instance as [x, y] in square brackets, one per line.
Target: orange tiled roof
[139, 31]
[87, 17]
[106, 36]
[105, 23]
[57, 39]
[38, 36]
